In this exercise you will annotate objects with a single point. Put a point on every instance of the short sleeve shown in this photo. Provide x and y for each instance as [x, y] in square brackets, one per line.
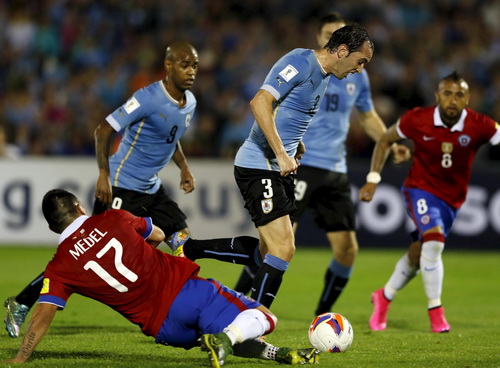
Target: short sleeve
[135, 109]
[142, 225]
[53, 290]
[405, 126]
[289, 71]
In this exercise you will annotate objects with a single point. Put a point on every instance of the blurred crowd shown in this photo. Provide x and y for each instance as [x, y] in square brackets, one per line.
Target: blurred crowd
[66, 65]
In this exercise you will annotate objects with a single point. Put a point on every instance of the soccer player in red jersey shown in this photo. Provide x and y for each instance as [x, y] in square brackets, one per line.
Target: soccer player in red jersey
[112, 258]
[446, 139]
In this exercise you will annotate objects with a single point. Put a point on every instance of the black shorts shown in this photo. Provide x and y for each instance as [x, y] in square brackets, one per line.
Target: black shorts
[165, 213]
[267, 194]
[329, 194]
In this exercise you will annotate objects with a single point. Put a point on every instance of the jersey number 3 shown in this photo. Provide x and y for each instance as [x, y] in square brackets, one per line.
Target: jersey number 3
[120, 267]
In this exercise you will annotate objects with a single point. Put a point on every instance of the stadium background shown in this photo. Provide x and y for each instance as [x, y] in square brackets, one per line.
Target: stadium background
[66, 64]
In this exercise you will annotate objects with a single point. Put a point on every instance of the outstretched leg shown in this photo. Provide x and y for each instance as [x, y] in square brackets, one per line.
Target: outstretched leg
[239, 250]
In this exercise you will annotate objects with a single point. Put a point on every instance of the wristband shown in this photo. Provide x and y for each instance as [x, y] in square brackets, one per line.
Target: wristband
[373, 177]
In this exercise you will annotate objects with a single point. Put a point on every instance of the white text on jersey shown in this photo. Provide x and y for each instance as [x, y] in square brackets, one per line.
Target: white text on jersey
[84, 244]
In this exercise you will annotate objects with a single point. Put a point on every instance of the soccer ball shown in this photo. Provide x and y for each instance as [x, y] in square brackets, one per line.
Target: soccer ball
[331, 332]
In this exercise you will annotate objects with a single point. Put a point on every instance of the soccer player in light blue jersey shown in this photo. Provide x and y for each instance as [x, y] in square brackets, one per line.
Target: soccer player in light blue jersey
[321, 181]
[152, 120]
[266, 163]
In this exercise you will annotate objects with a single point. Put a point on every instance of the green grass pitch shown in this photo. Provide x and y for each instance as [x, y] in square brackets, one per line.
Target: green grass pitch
[88, 334]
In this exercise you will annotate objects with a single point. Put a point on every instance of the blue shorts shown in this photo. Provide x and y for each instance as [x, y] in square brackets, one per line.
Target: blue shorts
[428, 211]
[202, 306]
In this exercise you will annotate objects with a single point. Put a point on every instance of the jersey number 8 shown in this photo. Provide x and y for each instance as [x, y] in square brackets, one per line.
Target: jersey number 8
[446, 162]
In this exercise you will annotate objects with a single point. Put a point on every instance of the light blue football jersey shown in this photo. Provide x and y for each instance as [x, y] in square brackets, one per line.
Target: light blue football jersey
[326, 135]
[298, 82]
[153, 123]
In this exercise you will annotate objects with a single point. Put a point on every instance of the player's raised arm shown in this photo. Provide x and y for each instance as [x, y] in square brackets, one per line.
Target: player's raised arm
[37, 327]
[379, 157]
[187, 183]
[102, 136]
[262, 108]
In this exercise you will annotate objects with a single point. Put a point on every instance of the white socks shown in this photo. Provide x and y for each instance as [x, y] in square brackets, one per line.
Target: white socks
[249, 324]
[403, 273]
[431, 266]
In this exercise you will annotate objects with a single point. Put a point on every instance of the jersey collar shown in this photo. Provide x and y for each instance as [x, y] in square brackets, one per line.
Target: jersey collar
[321, 66]
[459, 125]
[168, 94]
[72, 228]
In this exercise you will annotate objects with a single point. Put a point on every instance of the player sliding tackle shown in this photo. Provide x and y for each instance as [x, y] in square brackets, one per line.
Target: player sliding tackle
[446, 138]
[123, 270]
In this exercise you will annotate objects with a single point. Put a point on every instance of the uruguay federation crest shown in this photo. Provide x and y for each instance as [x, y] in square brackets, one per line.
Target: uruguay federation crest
[464, 140]
[350, 88]
[267, 205]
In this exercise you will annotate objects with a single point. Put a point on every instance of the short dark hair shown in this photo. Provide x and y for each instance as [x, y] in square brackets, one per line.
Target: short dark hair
[352, 35]
[58, 205]
[176, 47]
[332, 17]
[454, 77]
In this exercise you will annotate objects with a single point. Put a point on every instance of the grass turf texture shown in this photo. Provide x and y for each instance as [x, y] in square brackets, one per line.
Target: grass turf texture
[88, 334]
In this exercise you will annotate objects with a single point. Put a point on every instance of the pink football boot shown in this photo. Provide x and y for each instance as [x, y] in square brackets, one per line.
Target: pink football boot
[438, 321]
[378, 320]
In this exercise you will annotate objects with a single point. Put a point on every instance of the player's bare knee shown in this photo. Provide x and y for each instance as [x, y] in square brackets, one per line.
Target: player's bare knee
[346, 253]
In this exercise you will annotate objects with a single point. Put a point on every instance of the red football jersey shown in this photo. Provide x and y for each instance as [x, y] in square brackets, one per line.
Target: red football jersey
[443, 156]
[106, 258]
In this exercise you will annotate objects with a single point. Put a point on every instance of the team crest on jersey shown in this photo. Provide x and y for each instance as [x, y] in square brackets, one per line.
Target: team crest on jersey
[425, 219]
[464, 140]
[132, 105]
[267, 205]
[188, 120]
[447, 147]
[350, 88]
[45, 287]
[288, 73]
